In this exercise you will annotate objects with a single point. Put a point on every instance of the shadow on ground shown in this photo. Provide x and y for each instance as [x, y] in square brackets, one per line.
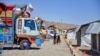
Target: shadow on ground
[18, 48]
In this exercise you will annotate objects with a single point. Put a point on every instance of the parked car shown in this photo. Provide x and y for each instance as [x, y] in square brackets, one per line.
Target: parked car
[50, 33]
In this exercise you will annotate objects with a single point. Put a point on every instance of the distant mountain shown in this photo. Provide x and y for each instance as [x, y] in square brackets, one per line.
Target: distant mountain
[59, 25]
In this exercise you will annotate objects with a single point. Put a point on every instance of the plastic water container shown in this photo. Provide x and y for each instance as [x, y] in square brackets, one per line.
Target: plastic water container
[38, 41]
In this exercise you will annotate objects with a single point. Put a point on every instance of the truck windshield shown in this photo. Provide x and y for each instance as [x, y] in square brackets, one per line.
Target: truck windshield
[30, 24]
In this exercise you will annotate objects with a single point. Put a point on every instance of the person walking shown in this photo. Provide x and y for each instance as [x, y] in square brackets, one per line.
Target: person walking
[54, 38]
[58, 39]
[58, 36]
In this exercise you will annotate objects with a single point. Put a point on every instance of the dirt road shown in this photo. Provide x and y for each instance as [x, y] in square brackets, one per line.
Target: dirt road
[47, 49]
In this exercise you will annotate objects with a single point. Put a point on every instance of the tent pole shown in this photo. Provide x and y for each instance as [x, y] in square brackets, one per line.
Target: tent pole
[97, 42]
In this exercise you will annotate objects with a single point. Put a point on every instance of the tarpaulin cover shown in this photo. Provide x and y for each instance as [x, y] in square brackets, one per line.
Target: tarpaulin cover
[86, 40]
[78, 28]
[71, 35]
[94, 28]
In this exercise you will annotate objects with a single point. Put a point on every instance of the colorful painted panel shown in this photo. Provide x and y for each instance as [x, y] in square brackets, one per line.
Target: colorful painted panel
[6, 35]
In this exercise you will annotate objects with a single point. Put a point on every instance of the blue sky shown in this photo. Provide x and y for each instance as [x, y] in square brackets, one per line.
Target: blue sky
[69, 11]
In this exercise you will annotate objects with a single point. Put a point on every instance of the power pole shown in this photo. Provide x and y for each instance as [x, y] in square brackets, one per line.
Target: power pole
[61, 25]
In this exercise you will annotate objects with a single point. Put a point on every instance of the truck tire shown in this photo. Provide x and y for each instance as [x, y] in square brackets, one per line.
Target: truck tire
[25, 44]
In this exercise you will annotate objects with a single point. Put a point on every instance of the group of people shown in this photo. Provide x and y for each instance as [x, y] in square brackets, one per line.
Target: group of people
[56, 39]
[44, 32]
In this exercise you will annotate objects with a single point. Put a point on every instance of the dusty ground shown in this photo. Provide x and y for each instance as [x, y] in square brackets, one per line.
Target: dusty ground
[47, 49]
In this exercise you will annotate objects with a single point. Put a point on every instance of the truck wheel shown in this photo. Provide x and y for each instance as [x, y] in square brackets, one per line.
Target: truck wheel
[24, 44]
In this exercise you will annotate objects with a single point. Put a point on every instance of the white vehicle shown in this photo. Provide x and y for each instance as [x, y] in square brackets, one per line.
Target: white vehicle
[50, 33]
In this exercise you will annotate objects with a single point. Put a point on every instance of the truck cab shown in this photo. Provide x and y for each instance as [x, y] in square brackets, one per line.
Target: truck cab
[26, 32]
[26, 26]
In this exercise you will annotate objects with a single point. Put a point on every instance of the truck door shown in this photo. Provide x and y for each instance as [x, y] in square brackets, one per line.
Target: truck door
[30, 27]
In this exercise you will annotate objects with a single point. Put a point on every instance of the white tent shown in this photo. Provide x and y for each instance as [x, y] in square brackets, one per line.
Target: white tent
[92, 37]
[71, 35]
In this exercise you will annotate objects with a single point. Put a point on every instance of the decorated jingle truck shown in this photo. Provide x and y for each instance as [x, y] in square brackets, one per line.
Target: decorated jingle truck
[16, 26]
